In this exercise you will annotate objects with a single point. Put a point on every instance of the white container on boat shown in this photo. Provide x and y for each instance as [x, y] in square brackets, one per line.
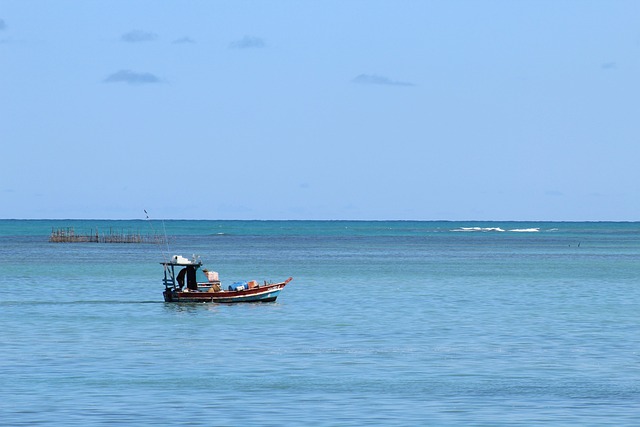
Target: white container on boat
[177, 259]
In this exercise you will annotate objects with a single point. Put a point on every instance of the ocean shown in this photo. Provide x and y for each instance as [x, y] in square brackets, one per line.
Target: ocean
[394, 323]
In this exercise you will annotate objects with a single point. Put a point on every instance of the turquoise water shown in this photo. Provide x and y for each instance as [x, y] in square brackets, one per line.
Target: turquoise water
[385, 323]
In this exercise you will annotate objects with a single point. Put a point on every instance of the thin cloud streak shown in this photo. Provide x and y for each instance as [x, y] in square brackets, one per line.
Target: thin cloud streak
[131, 77]
[373, 79]
[184, 40]
[248, 42]
[137, 36]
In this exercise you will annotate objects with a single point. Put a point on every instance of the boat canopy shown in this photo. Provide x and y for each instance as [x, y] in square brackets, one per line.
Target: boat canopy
[178, 260]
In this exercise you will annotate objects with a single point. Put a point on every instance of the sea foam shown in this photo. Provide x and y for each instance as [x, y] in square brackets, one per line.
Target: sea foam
[496, 229]
[483, 229]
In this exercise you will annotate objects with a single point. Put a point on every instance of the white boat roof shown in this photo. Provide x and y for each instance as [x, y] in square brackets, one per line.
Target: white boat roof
[180, 260]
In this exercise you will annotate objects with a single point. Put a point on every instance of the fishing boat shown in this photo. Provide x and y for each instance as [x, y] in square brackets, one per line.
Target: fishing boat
[185, 281]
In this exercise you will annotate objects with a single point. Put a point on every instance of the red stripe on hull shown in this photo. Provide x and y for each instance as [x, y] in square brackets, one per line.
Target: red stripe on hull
[246, 295]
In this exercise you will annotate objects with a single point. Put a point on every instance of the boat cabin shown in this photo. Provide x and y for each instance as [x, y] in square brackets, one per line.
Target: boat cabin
[182, 273]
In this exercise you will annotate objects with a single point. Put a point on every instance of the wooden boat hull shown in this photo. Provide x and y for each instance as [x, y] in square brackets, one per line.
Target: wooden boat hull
[264, 293]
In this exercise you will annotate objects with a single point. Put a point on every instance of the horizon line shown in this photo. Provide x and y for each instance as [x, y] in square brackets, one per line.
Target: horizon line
[314, 220]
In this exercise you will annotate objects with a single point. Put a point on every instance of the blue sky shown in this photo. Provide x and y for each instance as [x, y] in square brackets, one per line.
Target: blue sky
[427, 110]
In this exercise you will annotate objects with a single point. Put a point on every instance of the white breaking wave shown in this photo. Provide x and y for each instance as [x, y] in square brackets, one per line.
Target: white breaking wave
[485, 229]
[497, 229]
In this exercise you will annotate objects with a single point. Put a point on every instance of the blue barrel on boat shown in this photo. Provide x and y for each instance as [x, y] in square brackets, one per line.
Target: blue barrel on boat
[238, 286]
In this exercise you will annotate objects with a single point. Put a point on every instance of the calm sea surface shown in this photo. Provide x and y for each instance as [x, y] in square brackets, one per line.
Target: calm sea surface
[385, 323]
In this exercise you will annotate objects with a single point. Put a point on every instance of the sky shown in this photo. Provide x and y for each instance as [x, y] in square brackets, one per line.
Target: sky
[334, 109]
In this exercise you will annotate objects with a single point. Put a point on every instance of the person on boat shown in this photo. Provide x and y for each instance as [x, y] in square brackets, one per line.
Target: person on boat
[192, 283]
[190, 273]
[180, 277]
